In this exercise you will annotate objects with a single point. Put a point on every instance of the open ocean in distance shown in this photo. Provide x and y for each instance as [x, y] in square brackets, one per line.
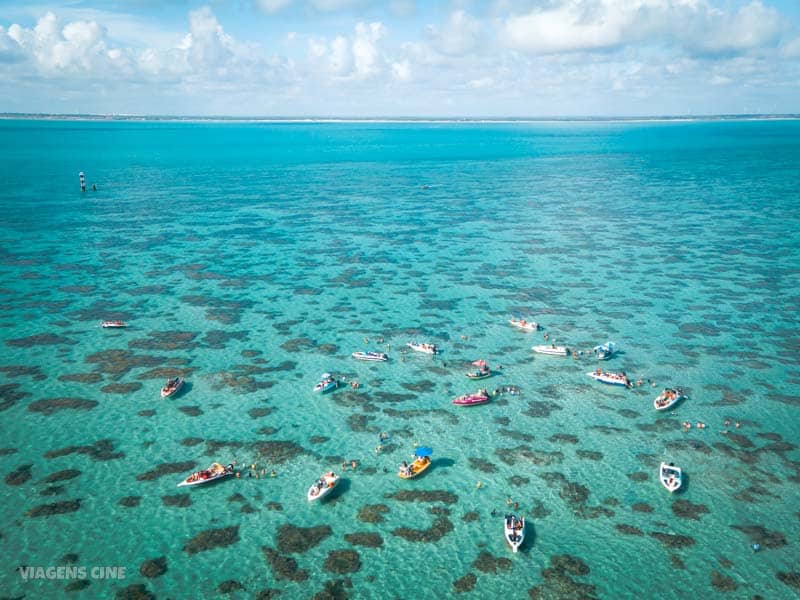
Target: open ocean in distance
[250, 258]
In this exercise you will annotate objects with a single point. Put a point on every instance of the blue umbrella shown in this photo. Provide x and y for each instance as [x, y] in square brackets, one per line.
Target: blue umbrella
[423, 451]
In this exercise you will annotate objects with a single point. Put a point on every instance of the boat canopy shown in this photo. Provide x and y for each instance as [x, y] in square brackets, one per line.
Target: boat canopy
[423, 451]
[607, 347]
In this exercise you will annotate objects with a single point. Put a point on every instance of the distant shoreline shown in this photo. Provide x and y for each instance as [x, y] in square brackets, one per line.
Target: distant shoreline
[447, 120]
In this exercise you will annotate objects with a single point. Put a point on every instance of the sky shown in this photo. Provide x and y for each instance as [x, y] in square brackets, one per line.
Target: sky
[414, 58]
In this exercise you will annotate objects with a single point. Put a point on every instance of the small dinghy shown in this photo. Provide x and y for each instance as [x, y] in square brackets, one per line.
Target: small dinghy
[113, 324]
[523, 324]
[605, 351]
[422, 347]
[482, 372]
[480, 397]
[420, 464]
[322, 486]
[551, 349]
[370, 356]
[669, 397]
[610, 378]
[670, 476]
[514, 528]
[172, 387]
[327, 382]
[212, 473]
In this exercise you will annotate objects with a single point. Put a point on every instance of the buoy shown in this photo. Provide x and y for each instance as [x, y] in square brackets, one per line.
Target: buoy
[83, 181]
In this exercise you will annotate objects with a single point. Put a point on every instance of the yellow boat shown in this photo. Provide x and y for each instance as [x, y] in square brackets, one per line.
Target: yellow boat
[421, 462]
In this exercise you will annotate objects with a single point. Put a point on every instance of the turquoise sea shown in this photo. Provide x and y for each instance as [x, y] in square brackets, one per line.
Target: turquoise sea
[252, 257]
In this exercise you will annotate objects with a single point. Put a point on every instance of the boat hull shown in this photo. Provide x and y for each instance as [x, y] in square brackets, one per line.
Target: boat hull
[425, 349]
[315, 493]
[167, 392]
[479, 375]
[603, 378]
[188, 482]
[515, 536]
[551, 350]
[526, 326]
[671, 477]
[470, 400]
[417, 468]
[326, 387]
[669, 404]
[379, 357]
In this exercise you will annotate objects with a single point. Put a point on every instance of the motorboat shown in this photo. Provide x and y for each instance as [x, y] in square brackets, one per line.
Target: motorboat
[551, 349]
[479, 397]
[670, 476]
[605, 351]
[421, 462]
[482, 372]
[610, 378]
[212, 473]
[422, 347]
[514, 528]
[322, 486]
[668, 398]
[523, 324]
[113, 324]
[172, 387]
[371, 356]
[327, 382]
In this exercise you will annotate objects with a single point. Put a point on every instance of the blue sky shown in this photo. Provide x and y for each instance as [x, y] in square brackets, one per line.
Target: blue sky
[401, 57]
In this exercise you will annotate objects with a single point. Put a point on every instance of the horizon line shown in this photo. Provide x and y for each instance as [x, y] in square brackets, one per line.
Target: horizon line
[388, 118]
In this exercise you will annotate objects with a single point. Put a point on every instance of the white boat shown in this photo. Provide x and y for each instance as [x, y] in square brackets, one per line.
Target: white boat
[422, 347]
[212, 473]
[610, 378]
[371, 356]
[172, 387]
[113, 324]
[514, 528]
[327, 382]
[605, 351]
[551, 349]
[526, 325]
[668, 398]
[670, 476]
[322, 486]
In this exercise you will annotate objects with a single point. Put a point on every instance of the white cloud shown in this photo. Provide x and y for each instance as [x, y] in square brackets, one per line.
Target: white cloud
[585, 25]
[333, 5]
[80, 46]
[365, 48]
[459, 35]
[401, 70]
[480, 84]
[272, 6]
[569, 26]
[355, 57]
[207, 43]
[550, 56]
[753, 26]
[791, 49]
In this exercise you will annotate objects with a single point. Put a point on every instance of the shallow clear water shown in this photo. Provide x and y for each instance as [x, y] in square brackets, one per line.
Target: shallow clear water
[253, 257]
